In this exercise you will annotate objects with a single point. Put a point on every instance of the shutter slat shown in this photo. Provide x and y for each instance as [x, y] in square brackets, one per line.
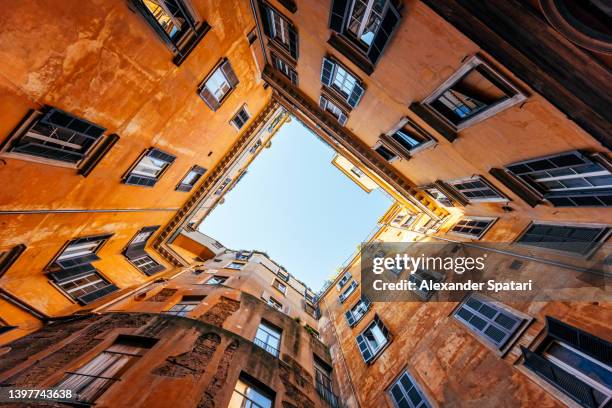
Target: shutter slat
[383, 35]
[90, 297]
[594, 346]
[209, 98]
[158, 154]
[363, 348]
[350, 318]
[355, 95]
[229, 73]
[327, 70]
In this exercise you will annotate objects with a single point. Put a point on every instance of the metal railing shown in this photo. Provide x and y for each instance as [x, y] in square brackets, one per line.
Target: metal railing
[270, 349]
[246, 401]
[328, 396]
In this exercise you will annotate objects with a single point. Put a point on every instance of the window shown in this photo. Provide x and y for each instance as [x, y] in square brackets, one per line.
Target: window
[386, 153]
[477, 189]
[494, 323]
[338, 78]
[136, 254]
[246, 395]
[223, 186]
[176, 24]
[577, 240]
[406, 393]
[216, 280]
[279, 29]
[186, 305]
[268, 337]
[472, 94]
[280, 286]
[310, 309]
[243, 255]
[8, 258]
[283, 275]
[367, 24]
[438, 195]
[348, 291]
[91, 380]
[428, 276]
[218, 84]
[567, 180]
[275, 304]
[285, 68]
[356, 171]
[354, 315]
[372, 340]
[407, 138]
[575, 362]
[149, 168]
[54, 135]
[343, 280]
[191, 178]
[241, 118]
[473, 227]
[235, 265]
[332, 109]
[73, 273]
[324, 383]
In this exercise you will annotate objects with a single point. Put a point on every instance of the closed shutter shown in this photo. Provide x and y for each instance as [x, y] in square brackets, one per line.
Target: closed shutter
[152, 270]
[572, 386]
[327, 71]
[595, 347]
[337, 15]
[231, 77]
[264, 12]
[362, 343]
[389, 22]
[209, 98]
[72, 273]
[366, 301]
[90, 297]
[350, 318]
[355, 95]
[293, 42]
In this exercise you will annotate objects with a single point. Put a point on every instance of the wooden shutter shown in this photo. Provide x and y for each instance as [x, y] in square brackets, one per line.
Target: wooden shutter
[516, 186]
[293, 42]
[595, 347]
[231, 77]
[350, 318]
[322, 102]
[337, 15]
[362, 343]
[293, 76]
[264, 11]
[60, 119]
[355, 95]
[382, 327]
[327, 71]
[9, 259]
[158, 154]
[90, 297]
[72, 273]
[140, 180]
[382, 37]
[342, 119]
[96, 157]
[209, 98]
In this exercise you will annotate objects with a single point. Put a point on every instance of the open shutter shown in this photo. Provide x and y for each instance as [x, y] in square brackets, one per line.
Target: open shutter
[63, 120]
[327, 71]
[90, 297]
[342, 119]
[322, 102]
[382, 327]
[140, 180]
[72, 273]
[337, 15]
[77, 261]
[389, 22]
[355, 95]
[231, 77]
[209, 98]
[293, 42]
[26, 146]
[566, 382]
[349, 318]
[585, 342]
[264, 11]
[366, 301]
[363, 348]
[158, 154]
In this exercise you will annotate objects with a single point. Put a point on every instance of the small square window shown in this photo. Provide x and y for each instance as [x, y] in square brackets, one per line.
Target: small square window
[332, 109]
[477, 189]
[343, 82]
[280, 286]
[191, 178]
[217, 280]
[186, 305]
[149, 168]
[218, 84]
[473, 227]
[275, 304]
[241, 118]
[285, 68]
[373, 339]
[235, 265]
[385, 152]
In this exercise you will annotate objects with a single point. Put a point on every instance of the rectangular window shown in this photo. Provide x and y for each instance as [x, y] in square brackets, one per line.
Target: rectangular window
[8, 258]
[176, 24]
[283, 275]
[222, 186]
[406, 393]
[92, 379]
[186, 305]
[191, 178]
[420, 276]
[147, 265]
[136, 254]
[243, 255]
[324, 383]
[348, 291]
[268, 337]
[385, 152]
[54, 135]
[217, 280]
[474, 93]
[373, 339]
[407, 138]
[218, 85]
[575, 362]
[280, 30]
[438, 195]
[285, 68]
[275, 304]
[567, 180]
[477, 189]
[247, 395]
[86, 286]
[493, 323]
[280, 286]
[149, 168]
[473, 227]
[235, 265]
[337, 77]
[343, 280]
[576, 240]
[241, 118]
[332, 109]
[356, 313]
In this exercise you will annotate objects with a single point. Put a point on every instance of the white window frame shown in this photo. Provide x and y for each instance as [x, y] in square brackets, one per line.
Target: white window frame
[364, 20]
[501, 198]
[492, 221]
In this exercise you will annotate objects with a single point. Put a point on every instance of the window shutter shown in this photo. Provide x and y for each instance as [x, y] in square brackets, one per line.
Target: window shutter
[293, 42]
[209, 98]
[322, 102]
[264, 11]
[294, 77]
[389, 22]
[90, 297]
[140, 180]
[158, 154]
[152, 270]
[355, 95]
[72, 273]
[366, 301]
[47, 151]
[229, 74]
[571, 385]
[350, 318]
[363, 348]
[327, 71]
[342, 119]
[337, 15]
[75, 262]
[382, 327]
[61, 119]
[585, 342]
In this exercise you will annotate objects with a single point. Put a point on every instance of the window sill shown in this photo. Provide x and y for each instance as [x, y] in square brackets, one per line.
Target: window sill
[429, 117]
[345, 48]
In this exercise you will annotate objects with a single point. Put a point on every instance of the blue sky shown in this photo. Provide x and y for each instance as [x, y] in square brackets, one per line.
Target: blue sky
[296, 206]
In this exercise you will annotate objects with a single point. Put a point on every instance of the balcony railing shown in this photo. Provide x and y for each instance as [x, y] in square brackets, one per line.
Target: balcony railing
[328, 396]
[246, 402]
[270, 349]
